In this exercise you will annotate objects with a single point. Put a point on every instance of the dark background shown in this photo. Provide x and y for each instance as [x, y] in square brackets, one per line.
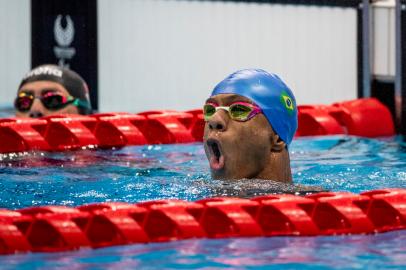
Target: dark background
[84, 17]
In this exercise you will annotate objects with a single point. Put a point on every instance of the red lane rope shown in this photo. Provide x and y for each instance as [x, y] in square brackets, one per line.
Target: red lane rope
[60, 228]
[362, 117]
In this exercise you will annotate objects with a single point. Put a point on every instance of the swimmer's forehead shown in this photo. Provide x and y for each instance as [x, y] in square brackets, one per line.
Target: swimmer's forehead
[226, 99]
[41, 87]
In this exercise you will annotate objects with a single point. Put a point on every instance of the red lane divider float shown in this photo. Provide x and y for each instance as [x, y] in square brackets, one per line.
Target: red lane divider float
[362, 117]
[318, 120]
[167, 127]
[58, 228]
[22, 135]
[117, 130]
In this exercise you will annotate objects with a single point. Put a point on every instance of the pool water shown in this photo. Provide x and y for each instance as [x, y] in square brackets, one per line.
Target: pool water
[140, 173]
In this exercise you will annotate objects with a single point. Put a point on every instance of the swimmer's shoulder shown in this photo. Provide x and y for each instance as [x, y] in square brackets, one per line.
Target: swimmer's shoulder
[303, 190]
[247, 188]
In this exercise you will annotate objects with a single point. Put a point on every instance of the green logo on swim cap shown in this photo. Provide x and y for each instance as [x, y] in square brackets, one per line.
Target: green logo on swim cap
[287, 101]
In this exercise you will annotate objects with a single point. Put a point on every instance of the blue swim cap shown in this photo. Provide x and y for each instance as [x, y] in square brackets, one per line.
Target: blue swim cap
[270, 93]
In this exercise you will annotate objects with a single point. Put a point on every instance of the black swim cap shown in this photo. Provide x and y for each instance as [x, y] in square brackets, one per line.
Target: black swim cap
[69, 79]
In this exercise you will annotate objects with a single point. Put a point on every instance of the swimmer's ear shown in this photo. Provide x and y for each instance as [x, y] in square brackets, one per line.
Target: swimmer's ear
[277, 145]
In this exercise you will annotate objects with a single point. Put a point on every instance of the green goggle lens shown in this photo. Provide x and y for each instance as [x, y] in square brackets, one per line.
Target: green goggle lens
[209, 110]
[240, 112]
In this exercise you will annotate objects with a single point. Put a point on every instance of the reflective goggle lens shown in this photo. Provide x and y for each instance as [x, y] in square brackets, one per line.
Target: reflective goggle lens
[54, 101]
[24, 102]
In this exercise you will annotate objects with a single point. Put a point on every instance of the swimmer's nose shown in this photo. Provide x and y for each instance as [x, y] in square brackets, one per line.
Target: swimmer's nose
[36, 114]
[217, 123]
[36, 109]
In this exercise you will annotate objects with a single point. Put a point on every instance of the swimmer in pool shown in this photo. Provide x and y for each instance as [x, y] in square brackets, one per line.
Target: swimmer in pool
[49, 90]
[251, 118]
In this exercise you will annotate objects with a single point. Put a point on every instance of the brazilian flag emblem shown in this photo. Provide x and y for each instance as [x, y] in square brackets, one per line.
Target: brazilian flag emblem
[287, 102]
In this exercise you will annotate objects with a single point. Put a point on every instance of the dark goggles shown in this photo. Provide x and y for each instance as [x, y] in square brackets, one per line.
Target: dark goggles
[50, 100]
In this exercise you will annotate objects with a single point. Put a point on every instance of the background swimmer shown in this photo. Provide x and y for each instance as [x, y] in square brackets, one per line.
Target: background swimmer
[251, 118]
[50, 89]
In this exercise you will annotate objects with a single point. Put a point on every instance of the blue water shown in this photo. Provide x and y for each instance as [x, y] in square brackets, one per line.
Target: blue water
[381, 251]
[141, 173]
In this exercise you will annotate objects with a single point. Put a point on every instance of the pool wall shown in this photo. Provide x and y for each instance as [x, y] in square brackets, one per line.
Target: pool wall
[15, 46]
[169, 54]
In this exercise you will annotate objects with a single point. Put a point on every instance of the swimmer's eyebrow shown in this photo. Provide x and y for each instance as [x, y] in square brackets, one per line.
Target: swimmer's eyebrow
[28, 91]
[211, 100]
[47, 90]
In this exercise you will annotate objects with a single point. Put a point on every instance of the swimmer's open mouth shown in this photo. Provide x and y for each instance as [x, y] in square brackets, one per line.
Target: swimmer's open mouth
[216, 157]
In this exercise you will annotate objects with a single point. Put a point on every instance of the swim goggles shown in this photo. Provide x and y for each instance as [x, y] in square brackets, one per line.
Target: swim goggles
[50, 100]
[239, 111]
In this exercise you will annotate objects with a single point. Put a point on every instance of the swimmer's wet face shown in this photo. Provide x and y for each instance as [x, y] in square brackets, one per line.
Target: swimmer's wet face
[250, 140]
[43, 98]
[50, 89]
[243, 149]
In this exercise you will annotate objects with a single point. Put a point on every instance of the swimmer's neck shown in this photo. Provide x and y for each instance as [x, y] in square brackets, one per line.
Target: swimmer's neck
[278, 168]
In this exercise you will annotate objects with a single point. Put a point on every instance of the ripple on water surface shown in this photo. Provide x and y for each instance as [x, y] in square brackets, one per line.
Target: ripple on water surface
[140, 173]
